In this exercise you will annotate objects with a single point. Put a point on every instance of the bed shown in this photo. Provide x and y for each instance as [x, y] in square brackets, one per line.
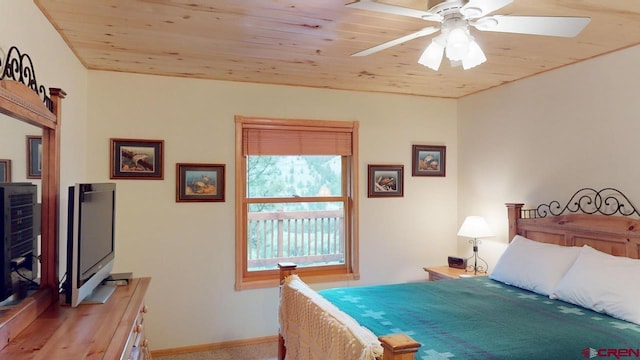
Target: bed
[566, 287]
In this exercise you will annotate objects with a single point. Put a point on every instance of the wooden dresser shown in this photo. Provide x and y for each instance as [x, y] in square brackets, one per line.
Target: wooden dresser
[114, 330]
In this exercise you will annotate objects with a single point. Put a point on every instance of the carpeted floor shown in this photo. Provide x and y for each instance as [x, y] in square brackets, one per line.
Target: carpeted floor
[263, 351]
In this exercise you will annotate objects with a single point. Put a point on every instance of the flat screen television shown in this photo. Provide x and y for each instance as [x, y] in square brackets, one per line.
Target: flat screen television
[90, 242]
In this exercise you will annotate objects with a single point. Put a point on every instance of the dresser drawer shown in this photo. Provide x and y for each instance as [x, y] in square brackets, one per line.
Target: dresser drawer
[137, 342]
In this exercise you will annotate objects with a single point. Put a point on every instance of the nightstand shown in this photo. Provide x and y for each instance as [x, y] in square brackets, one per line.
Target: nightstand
[446, 273]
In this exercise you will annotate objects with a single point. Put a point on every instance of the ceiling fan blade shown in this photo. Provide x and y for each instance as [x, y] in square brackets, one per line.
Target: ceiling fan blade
[387, 8]
[479, 8]
[424, 32]
[563, 26]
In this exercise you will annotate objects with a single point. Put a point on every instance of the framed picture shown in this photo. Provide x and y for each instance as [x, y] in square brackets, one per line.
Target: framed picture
[5, 170]
[385, 181]
[199, 182]
[428, 160]
[34, 157]
[137, 159]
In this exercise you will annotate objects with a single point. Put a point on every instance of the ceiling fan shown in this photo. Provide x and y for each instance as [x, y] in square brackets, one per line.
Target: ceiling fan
[455, 18]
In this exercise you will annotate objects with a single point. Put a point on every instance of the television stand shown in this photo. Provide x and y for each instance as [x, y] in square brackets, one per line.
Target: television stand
[100, 294]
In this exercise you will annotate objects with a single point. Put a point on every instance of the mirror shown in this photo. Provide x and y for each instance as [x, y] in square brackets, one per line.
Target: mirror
[14, 149]
[22, 103]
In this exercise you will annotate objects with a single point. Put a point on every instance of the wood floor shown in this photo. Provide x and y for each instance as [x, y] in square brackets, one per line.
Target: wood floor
[261, 351]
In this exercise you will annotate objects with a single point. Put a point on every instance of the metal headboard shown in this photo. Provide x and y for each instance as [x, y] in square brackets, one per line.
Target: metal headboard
[608, 201]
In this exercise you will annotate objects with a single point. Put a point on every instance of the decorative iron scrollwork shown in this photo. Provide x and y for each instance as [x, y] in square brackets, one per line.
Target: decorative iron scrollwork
[607, 201]
[19, 67]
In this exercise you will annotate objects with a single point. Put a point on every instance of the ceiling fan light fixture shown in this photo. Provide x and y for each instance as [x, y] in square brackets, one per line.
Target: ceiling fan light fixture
[457, 44]
[432, 55]
[474, 57]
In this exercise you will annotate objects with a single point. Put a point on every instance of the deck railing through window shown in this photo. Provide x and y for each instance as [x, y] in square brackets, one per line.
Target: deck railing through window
[304, 237]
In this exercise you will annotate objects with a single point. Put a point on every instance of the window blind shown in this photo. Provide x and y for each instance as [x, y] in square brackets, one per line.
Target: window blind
[296, 140]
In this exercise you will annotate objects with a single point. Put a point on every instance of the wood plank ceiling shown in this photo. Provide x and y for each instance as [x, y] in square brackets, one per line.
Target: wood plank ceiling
[309, 42]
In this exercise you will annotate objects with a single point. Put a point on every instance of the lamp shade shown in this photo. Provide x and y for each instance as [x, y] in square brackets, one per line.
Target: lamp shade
[432, 56]
[475, 227]
[474, 57]
[457, 44]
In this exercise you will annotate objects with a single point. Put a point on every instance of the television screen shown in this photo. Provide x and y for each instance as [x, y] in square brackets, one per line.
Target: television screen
[90, 242]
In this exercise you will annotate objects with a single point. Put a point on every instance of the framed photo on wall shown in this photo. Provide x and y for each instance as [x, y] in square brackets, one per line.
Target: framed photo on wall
[199, 182]
[137, 159]
[385, 181]
[34, 157]
[5, 170]
[428, 160]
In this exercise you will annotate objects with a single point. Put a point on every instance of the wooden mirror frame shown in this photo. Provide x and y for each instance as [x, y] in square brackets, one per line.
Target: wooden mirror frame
[22, 103]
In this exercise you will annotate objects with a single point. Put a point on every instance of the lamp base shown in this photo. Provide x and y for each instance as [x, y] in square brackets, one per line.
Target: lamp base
[476, 269]
[479, 265]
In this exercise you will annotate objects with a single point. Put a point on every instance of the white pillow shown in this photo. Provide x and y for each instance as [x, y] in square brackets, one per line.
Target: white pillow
[603, 283]
[533, 265]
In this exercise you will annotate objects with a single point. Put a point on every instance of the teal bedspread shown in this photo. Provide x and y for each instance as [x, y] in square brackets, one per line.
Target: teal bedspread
[479, 318]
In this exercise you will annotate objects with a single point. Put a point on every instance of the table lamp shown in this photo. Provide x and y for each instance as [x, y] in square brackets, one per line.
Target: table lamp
[475, 227]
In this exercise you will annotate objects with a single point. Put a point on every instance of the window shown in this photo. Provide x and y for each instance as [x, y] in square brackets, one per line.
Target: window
[296, 199]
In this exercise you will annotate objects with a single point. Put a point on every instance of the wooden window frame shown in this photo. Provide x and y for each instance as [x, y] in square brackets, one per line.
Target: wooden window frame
[270, 278]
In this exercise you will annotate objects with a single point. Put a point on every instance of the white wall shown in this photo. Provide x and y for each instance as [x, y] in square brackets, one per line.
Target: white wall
[543, 138]
[188, 248]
